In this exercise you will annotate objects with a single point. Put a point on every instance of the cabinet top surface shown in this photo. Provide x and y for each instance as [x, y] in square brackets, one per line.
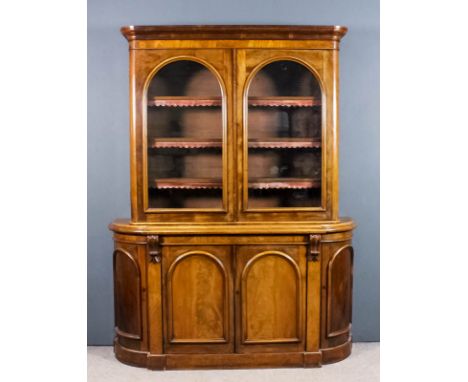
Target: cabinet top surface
[127, 226]
[234, 32]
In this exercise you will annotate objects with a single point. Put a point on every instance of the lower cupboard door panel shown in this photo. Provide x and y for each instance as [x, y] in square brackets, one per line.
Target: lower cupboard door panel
[270, 298]
[339, 292]
[127, 294]
[198, 299]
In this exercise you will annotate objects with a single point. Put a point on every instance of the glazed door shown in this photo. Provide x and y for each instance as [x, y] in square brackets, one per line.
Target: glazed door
[181, 131]
[286, 127]
[198, 299]
[270, 298]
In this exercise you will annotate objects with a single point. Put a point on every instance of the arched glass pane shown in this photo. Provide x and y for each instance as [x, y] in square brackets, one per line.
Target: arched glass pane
[184, 133]
[284, 131]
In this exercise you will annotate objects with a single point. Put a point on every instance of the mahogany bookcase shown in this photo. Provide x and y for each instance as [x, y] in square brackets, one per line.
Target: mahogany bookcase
[234, 255]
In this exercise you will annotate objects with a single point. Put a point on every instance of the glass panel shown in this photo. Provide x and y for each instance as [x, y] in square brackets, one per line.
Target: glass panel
[284, 137]
[184, 122]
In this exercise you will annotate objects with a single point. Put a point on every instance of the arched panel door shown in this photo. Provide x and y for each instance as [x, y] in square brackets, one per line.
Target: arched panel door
[270, 298]
[198, 299]
[287, 134]
[180, 161]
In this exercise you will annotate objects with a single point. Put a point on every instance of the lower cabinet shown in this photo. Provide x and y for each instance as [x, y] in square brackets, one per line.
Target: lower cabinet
[206, 301]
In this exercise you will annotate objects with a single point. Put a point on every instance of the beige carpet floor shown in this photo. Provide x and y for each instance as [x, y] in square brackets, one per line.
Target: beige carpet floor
[362, 365]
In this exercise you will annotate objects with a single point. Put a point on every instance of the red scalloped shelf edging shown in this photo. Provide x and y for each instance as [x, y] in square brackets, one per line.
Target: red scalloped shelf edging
[273, 143]
[257, 184]
[184, 143]
[284, 101]
[187, 183]
[286, 143]
[283, 183]
[183, 101]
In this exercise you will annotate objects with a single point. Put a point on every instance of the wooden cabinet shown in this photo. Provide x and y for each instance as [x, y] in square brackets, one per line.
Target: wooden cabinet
[234, 255]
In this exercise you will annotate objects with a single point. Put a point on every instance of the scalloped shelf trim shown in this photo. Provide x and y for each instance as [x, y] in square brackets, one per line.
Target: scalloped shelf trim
[186, 143]
[183, 101]
[284, 101]
[280, 143]
[258, 184]
[285, 143]
[188, 184]
[284, 183]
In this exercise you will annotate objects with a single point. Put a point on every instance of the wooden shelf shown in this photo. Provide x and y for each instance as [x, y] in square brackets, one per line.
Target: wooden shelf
[185, 143]
[184, 101]
[284, 143]
[256, 184]
[284, 101]
[271, 143]
[283, 183]
[187, 183]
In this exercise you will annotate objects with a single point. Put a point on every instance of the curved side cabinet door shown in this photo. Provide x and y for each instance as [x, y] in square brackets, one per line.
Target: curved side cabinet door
[127, 295]
[271, 298]
[197, 299]
[339, 296]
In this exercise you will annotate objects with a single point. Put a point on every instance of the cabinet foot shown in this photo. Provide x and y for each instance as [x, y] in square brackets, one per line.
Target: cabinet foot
[337, 353]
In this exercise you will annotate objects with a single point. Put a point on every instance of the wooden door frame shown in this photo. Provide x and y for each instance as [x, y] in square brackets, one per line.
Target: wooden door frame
[144, 65]
[323, 65]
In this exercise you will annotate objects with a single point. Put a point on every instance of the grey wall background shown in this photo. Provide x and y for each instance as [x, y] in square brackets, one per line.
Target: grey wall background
[108, 141]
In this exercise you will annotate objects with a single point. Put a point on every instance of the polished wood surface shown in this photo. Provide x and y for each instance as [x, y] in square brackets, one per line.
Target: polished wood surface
[238, 284]
[236, 294]
[234, 44]
[336, 296]
[198, 299]
[127, 295]
[241, 32]
[240, 228]
[270, 298]
[339, 296]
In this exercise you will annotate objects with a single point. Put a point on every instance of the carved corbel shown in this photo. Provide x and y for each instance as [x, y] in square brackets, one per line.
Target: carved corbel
[154, 248]
[314, 248]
